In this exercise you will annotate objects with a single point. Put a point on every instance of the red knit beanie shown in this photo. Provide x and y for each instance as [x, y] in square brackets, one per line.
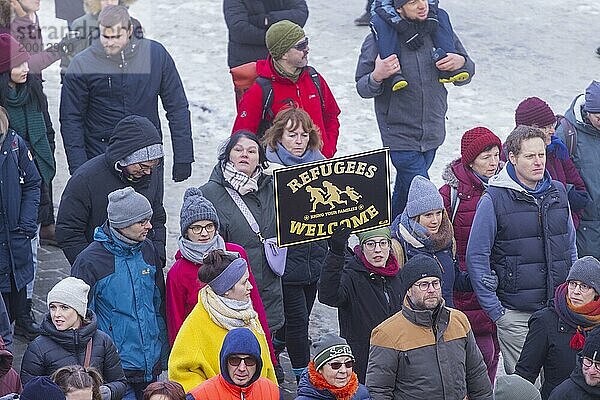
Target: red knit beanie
[12, 53]
[534, 111]
[474, 141]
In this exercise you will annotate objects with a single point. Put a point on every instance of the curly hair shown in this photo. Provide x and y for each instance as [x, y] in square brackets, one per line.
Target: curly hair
[298, 119]
[516, 138]
[75, 377]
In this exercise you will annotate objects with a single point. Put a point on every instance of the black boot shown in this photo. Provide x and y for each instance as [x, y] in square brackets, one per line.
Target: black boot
[279, 347]
[25, 325]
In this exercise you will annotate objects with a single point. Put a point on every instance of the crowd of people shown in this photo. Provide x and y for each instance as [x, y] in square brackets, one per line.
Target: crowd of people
[500, 260]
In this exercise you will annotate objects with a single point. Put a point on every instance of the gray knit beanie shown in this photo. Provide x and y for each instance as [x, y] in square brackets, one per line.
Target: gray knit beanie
[70, 291]
[423, 197]
[586, 270]
[513, 387]
[195, 208]
[126, 207]
[152, 152]
[329, 347]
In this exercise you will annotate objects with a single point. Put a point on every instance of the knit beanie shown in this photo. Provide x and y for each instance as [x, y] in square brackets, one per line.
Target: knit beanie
[513, 387]
[592, 98]
[419, 267]
[591, 349]
[282, 36]
[70, 291]
[586, 270]
[126, 207]
[423, 197]
[474, 141]
[196, 208]
[377, 232]
[329, 347]
[12, 53]
[42, 388]
[240, 341]
[152, 152]
[534, 111]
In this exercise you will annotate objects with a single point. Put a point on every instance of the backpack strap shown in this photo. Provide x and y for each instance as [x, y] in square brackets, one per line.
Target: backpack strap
[88, 354]
[314, 75]
[15, 150]
[570, 134]
[267, 98]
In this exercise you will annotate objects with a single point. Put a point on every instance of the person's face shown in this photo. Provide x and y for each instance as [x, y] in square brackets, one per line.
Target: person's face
[594, 120]
[64, 317]
[486, 163]
[591, 371]
[79, 394]
[431, 220]
[415, 10]
[202, 231]
[244, 156]
[19, 73]
[530, 164]
[138, 231]
[241, 290]
[106, 3]
[579, 293]
[337, 377]
[159, 397]
[241, 373]
[295, 140]
[297, 56]
[30, 6]
[114, 38]
[426, 293]
[377, 251]
[138, 170]
[548, 132]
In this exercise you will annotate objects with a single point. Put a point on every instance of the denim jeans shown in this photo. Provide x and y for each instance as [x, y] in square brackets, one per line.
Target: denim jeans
[408, 164]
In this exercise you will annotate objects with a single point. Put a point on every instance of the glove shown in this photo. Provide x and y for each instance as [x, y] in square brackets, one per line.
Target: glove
[490, 281]
[337, 242]
[181, 171]
[105, 392]
[408, 33]
[578, 199]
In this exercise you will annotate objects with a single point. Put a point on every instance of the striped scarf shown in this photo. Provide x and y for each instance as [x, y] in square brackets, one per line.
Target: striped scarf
[239, 181]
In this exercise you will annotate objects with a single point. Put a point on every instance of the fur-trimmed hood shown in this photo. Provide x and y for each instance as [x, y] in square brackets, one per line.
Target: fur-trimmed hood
[454, 173]
[449, 176]
[93, 6]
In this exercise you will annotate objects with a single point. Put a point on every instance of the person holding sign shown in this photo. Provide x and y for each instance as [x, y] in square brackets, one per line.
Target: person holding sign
[294, 139]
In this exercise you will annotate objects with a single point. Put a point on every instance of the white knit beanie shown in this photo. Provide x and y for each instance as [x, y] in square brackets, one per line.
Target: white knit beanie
[70, 291]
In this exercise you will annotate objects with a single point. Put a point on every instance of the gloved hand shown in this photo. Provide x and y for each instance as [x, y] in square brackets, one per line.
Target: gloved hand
[338, 241]
[181, 171]
[578, 199]
[105, 392]
[490, 281]
[409, 34]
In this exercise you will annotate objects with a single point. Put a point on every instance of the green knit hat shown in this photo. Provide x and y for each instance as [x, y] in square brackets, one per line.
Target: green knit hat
[378, 232]
[282, 36]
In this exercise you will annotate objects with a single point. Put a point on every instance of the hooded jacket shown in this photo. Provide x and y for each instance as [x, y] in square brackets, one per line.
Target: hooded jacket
[9, 378]
[54, 349]
[127, 295]
[99, 90]
[585, 158]
[303, 93]
[85, 198]
[222, 387]
[575, 387]
[531, 257]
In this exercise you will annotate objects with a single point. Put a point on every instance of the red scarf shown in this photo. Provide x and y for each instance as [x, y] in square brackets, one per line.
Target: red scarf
[343, 393]
[391, 266]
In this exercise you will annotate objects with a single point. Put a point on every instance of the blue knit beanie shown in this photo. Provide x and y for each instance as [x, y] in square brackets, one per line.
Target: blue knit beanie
[196, 208]
[423, 197]
[592, 98]
[240, 341]
[42, 388]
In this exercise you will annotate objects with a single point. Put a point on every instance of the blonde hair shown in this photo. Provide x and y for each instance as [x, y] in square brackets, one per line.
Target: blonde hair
[3, 121]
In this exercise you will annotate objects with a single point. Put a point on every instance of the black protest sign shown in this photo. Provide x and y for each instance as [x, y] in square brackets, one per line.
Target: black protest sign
[312, 199]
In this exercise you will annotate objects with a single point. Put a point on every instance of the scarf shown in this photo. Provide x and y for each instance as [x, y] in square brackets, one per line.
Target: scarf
[118, 235]
[541, 186]
[433, 242]
[391, 266]
[195, 252]
[293, 76]
[239, 181]
[583, 318]
[558, 147]
[319, 382]
[29, 123]
[228, 313]
[283, 156]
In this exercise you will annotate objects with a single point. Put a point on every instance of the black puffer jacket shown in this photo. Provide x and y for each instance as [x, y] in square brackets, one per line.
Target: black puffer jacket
[246, 19]
[54, 349]
[304, 262]
[575, 388]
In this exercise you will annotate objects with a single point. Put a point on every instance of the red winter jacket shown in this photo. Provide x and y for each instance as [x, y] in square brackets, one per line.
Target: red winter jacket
[182, 294]
[304, 93]
[469, 190]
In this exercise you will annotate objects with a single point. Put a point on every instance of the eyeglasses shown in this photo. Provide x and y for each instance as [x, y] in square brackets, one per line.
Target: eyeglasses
[371, 244]
[148, 167]
[303, 45]
[424, 286]
[337, 365]
[197, 229]
[234, 361]
[587, 362]
[583, 288]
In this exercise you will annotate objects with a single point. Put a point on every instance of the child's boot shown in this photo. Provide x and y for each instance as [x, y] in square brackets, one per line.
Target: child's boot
[459, 75]
[398, 82]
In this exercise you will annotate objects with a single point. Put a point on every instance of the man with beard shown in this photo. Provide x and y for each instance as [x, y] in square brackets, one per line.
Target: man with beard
[405, 347]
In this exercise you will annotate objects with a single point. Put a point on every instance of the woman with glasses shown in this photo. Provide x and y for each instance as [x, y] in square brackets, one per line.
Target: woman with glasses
[223, 305]
[330, 374]
[559, 331]
[293, 139]
[199, 224]
[364, 285]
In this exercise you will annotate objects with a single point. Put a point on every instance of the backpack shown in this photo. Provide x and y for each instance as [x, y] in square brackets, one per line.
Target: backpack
[570, 133]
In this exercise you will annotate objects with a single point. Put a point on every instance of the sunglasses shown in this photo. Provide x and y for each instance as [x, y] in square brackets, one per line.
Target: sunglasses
[337, 365]
[234, 361]
[303, 45]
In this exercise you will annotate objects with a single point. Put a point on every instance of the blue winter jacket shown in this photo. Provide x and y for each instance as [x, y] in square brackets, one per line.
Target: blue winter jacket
[127, 295]
[306, 391]
[20, 197]
[99, 90]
